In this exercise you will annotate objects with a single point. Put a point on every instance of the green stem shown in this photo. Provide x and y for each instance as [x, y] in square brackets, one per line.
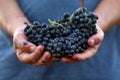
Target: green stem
[70, 19]
[82, 3]
[53, 23]
[73, 13]
[31, 26]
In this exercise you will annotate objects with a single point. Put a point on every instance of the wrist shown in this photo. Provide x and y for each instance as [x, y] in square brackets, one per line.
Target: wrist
[11, 16]
[107, 18]
[11, 24]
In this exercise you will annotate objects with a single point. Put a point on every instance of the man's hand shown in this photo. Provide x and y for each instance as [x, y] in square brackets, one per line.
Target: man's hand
[30, 53]
[93, 42]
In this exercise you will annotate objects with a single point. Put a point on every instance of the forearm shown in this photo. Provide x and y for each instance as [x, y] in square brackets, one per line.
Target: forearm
[11, 17]
[109, 14]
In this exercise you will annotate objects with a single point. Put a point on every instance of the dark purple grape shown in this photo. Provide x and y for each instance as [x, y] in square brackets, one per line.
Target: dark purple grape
[67, 36]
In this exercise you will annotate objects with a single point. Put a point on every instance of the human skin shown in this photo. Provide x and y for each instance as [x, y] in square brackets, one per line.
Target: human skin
[13, 21]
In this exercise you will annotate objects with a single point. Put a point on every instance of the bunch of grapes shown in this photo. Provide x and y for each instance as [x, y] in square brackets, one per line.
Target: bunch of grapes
[65, 36]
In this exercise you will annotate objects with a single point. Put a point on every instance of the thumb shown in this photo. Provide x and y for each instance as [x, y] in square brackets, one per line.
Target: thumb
[94, 40]
[97, 38]
[27, 46]
[21, 42]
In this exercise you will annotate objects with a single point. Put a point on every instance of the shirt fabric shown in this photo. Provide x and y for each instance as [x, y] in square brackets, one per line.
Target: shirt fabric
[103, 66]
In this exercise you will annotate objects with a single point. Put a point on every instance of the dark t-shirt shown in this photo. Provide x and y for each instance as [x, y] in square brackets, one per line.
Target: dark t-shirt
[103, 66]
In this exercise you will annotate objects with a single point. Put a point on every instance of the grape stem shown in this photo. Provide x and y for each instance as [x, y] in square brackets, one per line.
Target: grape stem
[31, 26]
[73, 13]
[53, 23]
[82, 3]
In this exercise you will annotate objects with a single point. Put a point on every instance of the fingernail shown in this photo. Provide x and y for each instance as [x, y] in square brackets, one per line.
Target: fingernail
[32, 48]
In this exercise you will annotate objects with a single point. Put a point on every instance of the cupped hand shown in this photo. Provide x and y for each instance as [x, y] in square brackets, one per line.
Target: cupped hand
[94, 44]
[29, 53]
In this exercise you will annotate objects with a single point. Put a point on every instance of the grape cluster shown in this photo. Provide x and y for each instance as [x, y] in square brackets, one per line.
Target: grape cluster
[65, 36]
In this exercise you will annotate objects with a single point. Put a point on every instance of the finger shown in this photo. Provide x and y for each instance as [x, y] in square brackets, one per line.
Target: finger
[52, 60]
[68, 60]
[90, 52]
[45, 59]
[97, 38]
[33, 57]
